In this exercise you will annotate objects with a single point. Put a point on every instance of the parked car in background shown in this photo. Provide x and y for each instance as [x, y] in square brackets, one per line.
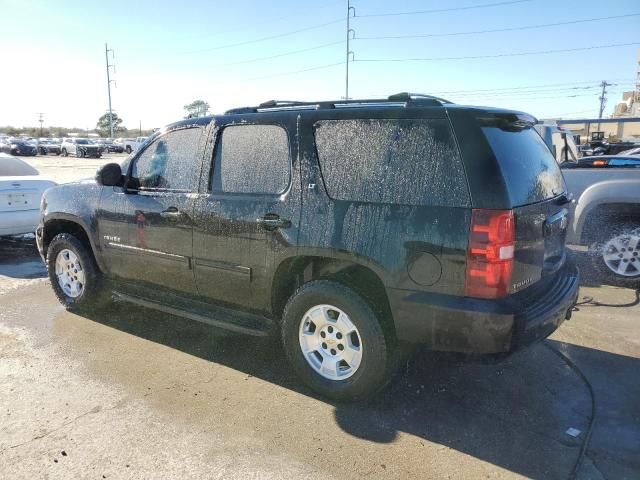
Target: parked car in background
[605, 161]
[109, 146]
[133, 144]
[21, 188]
[585, 150]
[631, 151]
[345, 227]
[49, 146]
[605, 208]
[80, 147]
[602, 147]
[18, 146]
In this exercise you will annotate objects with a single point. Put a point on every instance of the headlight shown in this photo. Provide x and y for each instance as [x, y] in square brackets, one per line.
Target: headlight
[14, 145]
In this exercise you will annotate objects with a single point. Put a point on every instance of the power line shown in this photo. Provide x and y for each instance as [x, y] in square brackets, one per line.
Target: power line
[271, 37]
[567, 90]
[508, 29]
[440, 10]
[293, 52]
[304, 12]
[533, 86]
[499, 55]
[285, 74]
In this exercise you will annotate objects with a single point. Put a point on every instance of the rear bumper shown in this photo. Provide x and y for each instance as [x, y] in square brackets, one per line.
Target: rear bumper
[462, 324]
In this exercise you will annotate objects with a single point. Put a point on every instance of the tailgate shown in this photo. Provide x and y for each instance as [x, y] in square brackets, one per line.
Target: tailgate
[536, 193]
[541, 231]
[18, 196]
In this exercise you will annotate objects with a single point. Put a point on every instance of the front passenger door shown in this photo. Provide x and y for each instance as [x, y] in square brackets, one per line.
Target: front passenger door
[159, 204]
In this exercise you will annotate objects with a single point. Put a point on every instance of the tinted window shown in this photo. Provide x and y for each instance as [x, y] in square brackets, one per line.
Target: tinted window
[528, 168]
[252, 159]
[170, 162]
[411, 162]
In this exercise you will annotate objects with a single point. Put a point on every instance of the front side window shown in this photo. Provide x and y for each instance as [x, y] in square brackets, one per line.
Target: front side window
[252, 159]
[169, 163]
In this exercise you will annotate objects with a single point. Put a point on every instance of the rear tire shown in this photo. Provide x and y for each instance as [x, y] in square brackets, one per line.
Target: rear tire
[335, 341]
[75, 277]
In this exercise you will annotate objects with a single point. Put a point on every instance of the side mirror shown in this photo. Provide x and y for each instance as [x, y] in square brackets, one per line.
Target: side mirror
[110, 175]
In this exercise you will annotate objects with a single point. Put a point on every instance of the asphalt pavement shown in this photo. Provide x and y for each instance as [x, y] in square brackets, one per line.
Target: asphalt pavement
[131, 393]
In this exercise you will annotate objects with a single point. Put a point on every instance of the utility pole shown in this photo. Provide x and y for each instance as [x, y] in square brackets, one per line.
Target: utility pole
[140, 129]
[603, 100]
[106, 56]
[350, 32]
[41, 120]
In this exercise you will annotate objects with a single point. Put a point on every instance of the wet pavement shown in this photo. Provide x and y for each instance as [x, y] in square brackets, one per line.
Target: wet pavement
[131, 393]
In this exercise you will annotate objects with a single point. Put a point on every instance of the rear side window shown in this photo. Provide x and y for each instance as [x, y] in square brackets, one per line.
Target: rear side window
[252, 159]
[397, 161]
[170, 162]
[528, 167]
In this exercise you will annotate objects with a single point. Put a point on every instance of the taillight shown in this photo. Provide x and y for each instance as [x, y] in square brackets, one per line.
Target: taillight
[490, 253]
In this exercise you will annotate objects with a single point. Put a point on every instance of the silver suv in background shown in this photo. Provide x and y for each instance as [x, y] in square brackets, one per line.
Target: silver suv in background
[80, 147]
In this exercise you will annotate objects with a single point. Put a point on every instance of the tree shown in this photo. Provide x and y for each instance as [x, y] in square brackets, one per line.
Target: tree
[103, 124]
[197, 108]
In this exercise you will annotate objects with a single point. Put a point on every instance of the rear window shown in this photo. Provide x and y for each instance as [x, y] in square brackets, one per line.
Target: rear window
[398, 161]
[528, 167]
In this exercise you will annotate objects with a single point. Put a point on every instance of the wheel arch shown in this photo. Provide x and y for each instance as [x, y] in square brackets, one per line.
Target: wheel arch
[362, 276]
[595, 219]
[64, 223]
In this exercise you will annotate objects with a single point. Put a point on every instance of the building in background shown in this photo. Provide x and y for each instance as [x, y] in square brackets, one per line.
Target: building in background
[625, 128]
[630, 104]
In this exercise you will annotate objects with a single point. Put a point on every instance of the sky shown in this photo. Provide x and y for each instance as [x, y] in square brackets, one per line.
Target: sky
[244, 52]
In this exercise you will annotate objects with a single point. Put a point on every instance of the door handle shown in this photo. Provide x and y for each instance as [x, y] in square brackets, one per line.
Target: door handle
[271, 221]
[172, 213]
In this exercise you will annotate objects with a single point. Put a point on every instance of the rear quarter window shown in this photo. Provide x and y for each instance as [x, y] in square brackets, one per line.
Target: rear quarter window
[395, 161]
[529, 170]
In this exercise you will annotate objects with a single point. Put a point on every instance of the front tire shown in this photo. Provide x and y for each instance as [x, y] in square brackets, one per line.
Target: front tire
[65, 153]
[128, 150]
[74, 274]
[335, 341]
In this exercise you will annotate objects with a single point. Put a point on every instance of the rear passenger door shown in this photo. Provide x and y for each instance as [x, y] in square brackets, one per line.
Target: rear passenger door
[246, 219]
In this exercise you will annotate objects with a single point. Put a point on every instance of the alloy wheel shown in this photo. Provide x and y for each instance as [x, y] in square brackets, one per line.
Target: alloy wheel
[70, 273]
[330, 342]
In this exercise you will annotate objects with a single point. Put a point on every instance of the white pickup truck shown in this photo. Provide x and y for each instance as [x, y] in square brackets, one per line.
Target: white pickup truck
[132, 144]
[605, 207]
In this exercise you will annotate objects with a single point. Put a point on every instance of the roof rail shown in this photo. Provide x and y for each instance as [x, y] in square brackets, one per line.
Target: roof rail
[408, 97]
[402, 98]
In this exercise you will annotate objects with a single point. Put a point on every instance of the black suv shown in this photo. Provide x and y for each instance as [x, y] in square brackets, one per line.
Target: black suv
[347, 227]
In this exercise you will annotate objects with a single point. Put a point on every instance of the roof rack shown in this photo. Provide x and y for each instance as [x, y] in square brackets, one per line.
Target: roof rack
[404, 98]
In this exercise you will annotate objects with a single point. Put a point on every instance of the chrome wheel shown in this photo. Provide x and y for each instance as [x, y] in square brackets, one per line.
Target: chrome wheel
[330, 342]
[621, 254]
[70, 273]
